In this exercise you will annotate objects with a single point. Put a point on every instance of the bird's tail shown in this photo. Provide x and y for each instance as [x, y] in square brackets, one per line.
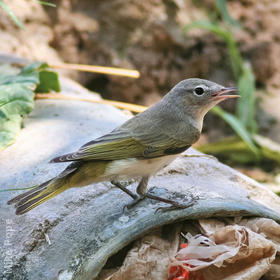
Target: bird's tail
[39, 194]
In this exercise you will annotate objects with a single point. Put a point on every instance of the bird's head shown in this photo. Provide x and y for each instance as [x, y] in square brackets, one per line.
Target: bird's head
[194, 97]
[199, 96]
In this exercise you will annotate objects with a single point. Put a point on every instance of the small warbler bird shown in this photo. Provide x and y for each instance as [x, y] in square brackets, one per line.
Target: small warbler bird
[137, 149]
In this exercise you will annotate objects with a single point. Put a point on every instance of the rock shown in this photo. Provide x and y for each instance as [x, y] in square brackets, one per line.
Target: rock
[72, 235]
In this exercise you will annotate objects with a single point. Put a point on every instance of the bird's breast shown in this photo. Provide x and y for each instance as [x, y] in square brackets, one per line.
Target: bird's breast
[133, 167]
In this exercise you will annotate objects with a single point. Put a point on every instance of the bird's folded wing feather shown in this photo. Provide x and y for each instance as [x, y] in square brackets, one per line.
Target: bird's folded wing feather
[120, 144]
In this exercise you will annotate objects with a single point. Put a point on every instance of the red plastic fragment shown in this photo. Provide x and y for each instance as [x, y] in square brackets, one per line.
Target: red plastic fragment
[184, 245]
[178, 273]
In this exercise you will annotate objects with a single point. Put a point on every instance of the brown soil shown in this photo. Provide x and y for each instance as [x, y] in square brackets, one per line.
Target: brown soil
[145, 35]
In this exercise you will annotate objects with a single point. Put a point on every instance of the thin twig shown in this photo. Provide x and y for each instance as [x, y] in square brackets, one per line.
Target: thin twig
[122, 105]
[97, 69]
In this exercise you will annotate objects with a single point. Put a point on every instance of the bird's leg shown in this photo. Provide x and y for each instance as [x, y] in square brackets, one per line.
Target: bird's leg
[142, 186]
[141, 191]
[123, 188]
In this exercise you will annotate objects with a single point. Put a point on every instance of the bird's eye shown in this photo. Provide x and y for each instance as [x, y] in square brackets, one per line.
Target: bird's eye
[199, 90]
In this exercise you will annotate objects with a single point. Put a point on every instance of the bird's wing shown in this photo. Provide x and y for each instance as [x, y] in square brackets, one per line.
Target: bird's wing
[120, 144]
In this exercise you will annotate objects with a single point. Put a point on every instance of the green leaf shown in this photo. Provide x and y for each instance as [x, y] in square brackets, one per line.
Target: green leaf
[34, 67]
[232, 148]
[16, 101]
[235, 149]
[11, 14]
[17, 97]
[48, 81]
[46, 3]
[28, 78]
[269, 148]
[227, 36]
[222, 8]
[238, 127]
[9, 129]
[207, 25]
[235, 57]
[246, 104]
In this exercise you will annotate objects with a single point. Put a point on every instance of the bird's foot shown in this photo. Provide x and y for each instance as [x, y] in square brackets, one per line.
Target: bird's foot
[174, 204]
[134, 202]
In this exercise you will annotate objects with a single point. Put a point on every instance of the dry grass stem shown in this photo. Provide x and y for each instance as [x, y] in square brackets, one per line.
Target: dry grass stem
[122, 105]
[97, 69]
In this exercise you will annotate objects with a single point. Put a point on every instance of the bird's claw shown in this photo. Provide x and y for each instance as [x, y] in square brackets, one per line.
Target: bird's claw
[133, 203]
[176, 205]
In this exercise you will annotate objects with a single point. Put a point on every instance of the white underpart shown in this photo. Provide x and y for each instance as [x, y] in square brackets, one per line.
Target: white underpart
[132, 167]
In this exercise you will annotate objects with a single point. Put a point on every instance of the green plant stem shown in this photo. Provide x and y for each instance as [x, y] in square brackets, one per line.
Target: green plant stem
[11, 14]
[238, 127]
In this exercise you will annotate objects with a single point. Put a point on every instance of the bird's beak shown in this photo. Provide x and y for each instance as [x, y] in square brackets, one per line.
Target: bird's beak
[220, 94]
